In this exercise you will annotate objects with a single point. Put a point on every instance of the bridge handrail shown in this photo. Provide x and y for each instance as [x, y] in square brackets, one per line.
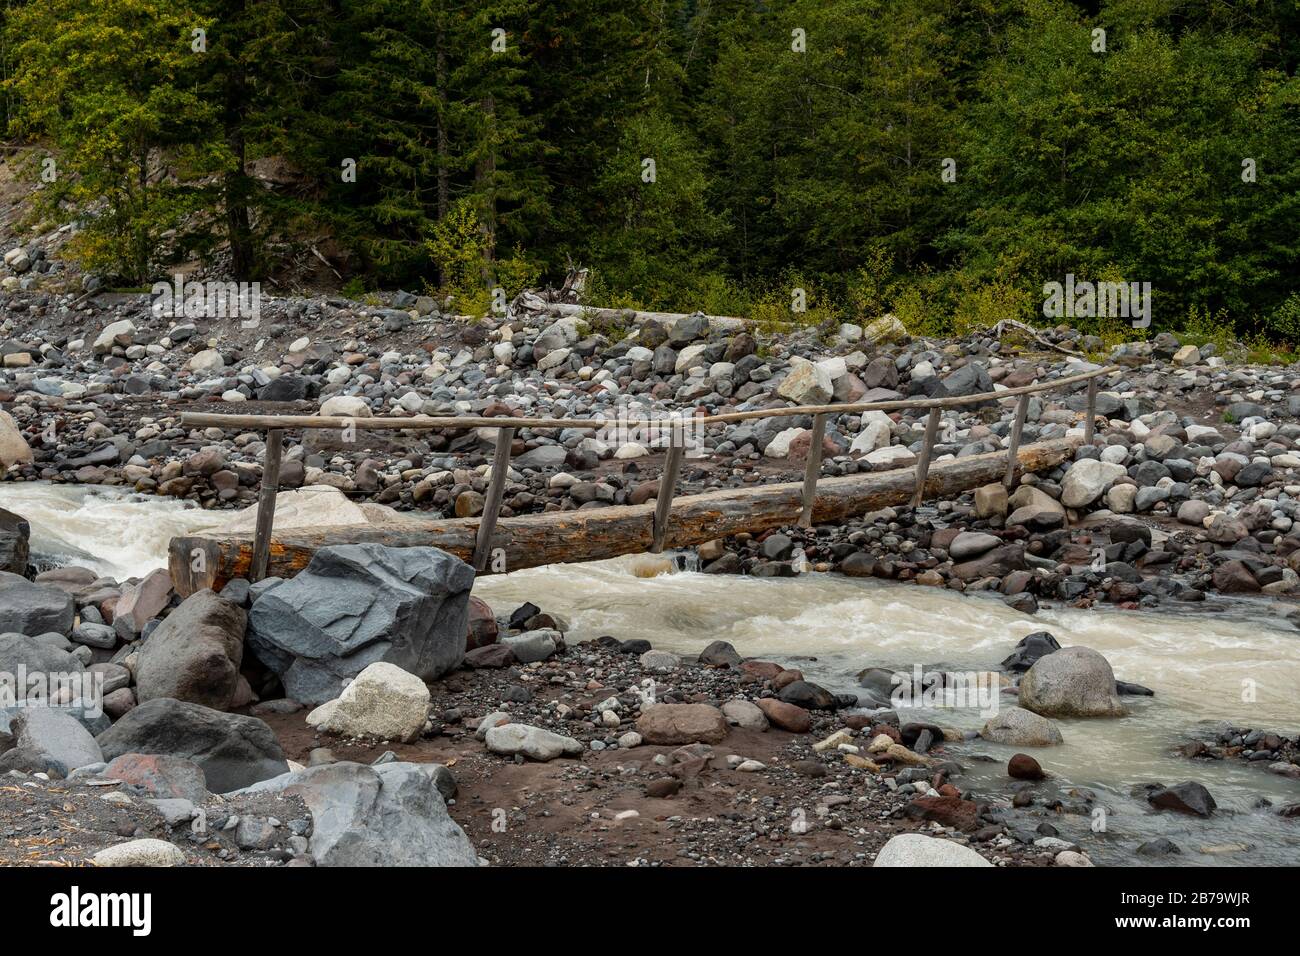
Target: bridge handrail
[506, 427]
[429, 422]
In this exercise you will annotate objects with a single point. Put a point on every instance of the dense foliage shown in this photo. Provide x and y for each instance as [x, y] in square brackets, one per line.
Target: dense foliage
[942, 159]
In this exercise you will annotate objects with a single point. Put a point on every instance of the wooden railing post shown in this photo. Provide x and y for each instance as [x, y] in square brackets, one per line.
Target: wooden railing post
[266, 506]
[813, 470]
[492, 503]
[668, 486]
[1013, 450]
[1090, 423]
[927, 450]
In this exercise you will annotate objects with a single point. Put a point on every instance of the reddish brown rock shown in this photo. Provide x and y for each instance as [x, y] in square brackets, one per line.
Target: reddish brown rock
[1024, 767]
[786, 677]
[789, 717]
[492, 655]
[160, 776]
[764, 670]
[663, 787]
[682, 724]
[482, 625]
[946, 811]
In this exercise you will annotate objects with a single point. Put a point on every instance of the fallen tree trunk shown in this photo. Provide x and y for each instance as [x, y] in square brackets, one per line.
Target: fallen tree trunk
[566, 536]
[535, 304]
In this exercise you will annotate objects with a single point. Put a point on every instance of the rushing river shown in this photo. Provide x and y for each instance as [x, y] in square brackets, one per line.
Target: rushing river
[1202, 666]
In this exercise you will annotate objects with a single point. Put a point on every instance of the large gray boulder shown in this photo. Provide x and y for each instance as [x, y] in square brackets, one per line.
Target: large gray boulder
[234, 751]
[30, 608]
[387, 815]
[15, 549]
[51, 732]
[194, 655]
[356, 604]
[1072, 682]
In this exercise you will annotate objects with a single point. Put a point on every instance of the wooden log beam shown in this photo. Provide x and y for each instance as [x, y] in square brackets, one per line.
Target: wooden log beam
[530, 541]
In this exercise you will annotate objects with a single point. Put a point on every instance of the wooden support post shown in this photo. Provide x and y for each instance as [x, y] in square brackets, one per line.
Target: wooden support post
[1090, 423]
[667, 488]
[927, 451]
[1017, 428]
[266, 506]
[492, 503]
[813, 471]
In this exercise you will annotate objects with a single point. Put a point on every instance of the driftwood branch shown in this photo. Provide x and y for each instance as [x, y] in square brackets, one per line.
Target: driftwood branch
[1001, 328]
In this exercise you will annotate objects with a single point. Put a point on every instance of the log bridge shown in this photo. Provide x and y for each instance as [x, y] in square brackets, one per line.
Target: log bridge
[198, 562]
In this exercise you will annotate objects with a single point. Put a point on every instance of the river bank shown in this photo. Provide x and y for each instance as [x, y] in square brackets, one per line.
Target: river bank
[1150, 723]
[830, 628]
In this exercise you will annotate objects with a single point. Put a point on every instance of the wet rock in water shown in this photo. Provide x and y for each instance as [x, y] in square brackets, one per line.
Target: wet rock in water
[1189, 797]
[357, 604]
[1024, 767]
[15, 548]
[1072, 682]
[30, 608]
[146, 852]
[521, 615]
[1133, 690]
[916, 849]
[389, 815]
[1023, 602]
[384, 702]
[195, 653]
[682, 724]
[1158, 847]
[534, 743]
[232, 750]
[1029, 650]
[1018, 727]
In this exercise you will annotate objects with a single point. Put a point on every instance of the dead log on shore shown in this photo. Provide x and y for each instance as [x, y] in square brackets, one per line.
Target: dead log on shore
[571, 536]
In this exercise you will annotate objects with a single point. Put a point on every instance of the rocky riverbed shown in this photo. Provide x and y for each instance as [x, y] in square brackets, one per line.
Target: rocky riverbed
[374, 689]
[1192, 485]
